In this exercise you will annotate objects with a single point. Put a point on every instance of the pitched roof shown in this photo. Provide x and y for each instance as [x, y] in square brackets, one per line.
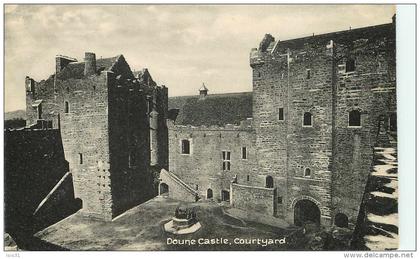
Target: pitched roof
[215, 109]
[76, 70]
[370, 33]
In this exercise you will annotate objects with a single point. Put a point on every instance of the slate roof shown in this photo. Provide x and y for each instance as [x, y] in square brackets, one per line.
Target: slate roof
[75, 70]
[370, 33]
[214, 109]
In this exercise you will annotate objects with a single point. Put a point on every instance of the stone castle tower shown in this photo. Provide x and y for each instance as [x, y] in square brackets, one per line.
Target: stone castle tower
[317, 104]
[113, 128]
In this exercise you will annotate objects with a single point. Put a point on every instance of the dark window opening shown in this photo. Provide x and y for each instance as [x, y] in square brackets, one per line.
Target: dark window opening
[132, 159]
[393, 122]
[308, 73]
[80, 158]
[341, 220]
[280, 200]
[247, 178]
[39, 109]
[185, 146]
[94, 87]
[226, 160]
[66, 107]
[307, 172]
[269, 183]
[244, 153]
[225, 195]
[354, 118]
[307, 119]
[281, 114]
[350, 65]
[209, 193]
[196, 187]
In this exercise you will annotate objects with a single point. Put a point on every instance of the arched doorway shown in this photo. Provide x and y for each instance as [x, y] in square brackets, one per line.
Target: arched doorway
[306, 211]
[163, 189]
[209, 193]
[269, 183]
[341, 220]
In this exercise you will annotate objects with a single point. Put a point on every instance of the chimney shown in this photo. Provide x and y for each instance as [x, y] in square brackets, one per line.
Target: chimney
[90, 63]
[61, 62]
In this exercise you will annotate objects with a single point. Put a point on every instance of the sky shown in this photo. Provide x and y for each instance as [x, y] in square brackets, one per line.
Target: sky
[182, 46]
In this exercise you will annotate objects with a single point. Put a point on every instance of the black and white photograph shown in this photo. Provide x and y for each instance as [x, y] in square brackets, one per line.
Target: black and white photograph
[201, 127]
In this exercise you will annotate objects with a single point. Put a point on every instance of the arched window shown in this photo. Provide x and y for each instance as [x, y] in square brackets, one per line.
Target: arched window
[66, 107]
[341, 220]
[307, 172]
[209, 193]
[350, 65]
[185, 146]
[307, 119]
[354, 118]
[269, 182]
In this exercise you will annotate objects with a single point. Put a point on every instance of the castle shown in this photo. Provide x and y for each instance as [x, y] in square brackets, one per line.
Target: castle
[112, 123]
[299, 147]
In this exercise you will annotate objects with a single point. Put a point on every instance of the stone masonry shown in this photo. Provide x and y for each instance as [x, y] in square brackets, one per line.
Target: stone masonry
[109, 119]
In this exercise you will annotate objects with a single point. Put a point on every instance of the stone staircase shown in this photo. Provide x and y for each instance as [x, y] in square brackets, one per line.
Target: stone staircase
[178, 189]
[378, 221]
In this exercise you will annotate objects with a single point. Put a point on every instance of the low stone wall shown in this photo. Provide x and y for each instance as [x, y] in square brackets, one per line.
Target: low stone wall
[253, 199]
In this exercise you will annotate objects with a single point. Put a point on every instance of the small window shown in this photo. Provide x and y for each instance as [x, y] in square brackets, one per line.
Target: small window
[226, 160]
[247, 178]
[307, 119]
[307, 172]
[280, 200]
[269, 183]
[393, 122]
[132, 159]
[66, 107]
[185, 146]
[281, 114]
[80, 158]
[244, 153]
[196, 187]
[308, 73]
[350, 65]
[39, 110]
[93, 87]
[354, 118]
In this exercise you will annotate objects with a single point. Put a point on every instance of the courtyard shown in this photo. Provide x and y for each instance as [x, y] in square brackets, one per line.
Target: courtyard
[141, 228]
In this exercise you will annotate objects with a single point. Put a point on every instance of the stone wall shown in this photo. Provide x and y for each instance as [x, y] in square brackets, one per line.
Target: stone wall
[253, 199]
[34, 165]
[306, 75]
[202, 168]
[104, 121]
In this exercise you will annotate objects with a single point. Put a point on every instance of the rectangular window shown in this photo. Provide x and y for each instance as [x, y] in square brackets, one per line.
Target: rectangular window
[280, 200]
[226, 160]
[185, 146]
[80, 158]
[244, 153]
[308, 73]
[247, 178]
[281, 114]
[132, 159]
[39, 109]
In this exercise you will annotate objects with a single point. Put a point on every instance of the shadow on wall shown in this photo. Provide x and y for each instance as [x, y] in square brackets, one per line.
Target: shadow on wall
[38, 187]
